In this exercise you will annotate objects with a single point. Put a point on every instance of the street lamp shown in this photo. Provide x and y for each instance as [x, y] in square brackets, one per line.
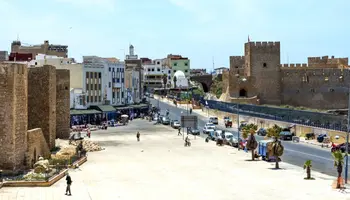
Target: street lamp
[237, 106]
[347, 143]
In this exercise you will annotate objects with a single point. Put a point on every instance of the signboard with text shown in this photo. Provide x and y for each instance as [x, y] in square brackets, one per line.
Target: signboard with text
[189, 121]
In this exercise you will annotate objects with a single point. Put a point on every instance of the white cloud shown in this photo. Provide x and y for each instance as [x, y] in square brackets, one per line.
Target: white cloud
[109, 5]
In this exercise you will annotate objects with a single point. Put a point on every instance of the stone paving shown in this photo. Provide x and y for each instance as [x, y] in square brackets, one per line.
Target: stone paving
[160, 167]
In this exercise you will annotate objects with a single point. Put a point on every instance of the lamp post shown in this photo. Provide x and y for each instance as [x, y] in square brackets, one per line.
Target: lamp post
[347, 143]
[237, 105]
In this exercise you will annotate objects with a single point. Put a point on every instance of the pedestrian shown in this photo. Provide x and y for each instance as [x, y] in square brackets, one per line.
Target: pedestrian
[69, 183]
[179, 133]
[138, 136]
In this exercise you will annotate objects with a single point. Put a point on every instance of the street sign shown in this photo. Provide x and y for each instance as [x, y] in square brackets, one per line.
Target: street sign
[189, 121]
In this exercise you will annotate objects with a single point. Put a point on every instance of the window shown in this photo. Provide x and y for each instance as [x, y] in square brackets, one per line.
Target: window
[169, 77]
[152, 69]
[99, 98]
[174, 70]
[186, 70]
[149, 69]
[113, 94]
[113, 80]
[87, 86]
[122, 70]
[87, 74]
[99, 75]
[158, 63]
[122, 94]
[122, 80]
[109, 69]
[175, 64]
[158, 69]
[118, 80]
[236, 67]
[36, 63]
[169, 72]
[118, 95]
[109, 84]
[95, 98]
[264, 65]
[186, 64]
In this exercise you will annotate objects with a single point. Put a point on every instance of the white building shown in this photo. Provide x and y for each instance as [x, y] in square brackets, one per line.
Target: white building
[133, 77]
[77, 98]
[220, 70]
[181, 80]
[154, 71]
[103, 81]
[75, 69]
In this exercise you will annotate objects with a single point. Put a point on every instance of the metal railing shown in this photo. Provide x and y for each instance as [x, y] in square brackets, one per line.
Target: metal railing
[307, 118]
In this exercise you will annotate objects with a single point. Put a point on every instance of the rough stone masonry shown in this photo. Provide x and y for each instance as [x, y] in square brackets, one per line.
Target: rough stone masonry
[62, 103]
[42, 101]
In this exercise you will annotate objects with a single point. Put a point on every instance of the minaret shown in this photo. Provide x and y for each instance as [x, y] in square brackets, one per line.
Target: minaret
[131, 50]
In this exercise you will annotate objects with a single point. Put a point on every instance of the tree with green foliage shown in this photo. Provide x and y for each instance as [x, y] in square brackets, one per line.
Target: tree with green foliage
[307, 166]
[338, 157]
[165, 80]
[216, 87]
[276, 146]
[246, 130]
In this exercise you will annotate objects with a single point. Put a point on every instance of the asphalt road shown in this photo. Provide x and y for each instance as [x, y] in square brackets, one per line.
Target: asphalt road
[295, 153]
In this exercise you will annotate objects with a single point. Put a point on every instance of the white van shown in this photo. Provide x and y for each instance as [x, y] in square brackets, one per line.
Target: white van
[214, 120]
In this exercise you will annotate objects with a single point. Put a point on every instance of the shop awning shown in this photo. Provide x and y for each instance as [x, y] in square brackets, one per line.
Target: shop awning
[123, 108]
[84, 112]
[104, 108]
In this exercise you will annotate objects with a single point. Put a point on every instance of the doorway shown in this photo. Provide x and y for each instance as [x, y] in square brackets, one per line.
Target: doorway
[242, 93]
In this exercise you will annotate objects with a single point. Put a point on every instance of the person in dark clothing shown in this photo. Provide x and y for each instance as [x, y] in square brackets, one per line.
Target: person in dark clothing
[69, 183]
[138, 136]
[179, 133]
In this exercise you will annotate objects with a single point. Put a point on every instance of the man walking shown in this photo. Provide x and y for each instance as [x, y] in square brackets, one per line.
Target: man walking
[179, 133]
[69, 183]
[138, 136]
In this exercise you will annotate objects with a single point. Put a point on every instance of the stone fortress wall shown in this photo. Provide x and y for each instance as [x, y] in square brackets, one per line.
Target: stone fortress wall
[321, 83]
[62, 100]
[42, 101]
[13, 116]
[28, 100]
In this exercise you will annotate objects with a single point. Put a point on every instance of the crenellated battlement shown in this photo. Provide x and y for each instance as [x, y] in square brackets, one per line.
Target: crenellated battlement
[325, 60]
[295, 65]
[14, 68]
[264, 44]
[236, 57]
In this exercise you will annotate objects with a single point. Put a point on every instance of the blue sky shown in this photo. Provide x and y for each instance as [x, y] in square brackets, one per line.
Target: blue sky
[198, 29]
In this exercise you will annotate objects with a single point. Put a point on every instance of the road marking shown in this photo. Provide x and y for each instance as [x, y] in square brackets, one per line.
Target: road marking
[311, 155]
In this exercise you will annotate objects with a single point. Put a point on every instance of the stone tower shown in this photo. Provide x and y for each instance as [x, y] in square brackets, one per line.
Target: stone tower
[42, 101]
[262, 63]
[13, 116]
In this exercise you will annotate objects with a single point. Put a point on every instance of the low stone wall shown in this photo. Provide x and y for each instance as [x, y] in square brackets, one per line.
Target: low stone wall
[37, 146]
[252, 100]
[48, 183]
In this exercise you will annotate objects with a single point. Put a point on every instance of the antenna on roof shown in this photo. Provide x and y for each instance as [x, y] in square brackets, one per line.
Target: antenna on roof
[213, 65]
[17, 37]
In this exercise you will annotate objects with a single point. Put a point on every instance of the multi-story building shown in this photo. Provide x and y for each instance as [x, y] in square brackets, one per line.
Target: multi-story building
[198, 72]
[103, 81]
[133, 77]
[75, 69]
[46, 48]
[4, 56]
[178, 63]
[154, 71]
[220, 70]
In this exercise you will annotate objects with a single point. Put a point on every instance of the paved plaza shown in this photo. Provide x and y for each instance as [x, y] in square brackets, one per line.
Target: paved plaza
[160, 167]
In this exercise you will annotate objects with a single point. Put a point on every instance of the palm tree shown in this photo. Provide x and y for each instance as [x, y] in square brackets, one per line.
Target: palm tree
[165, 80]
[307, 166]
[175, 79]
[277, 148]
[338, 163]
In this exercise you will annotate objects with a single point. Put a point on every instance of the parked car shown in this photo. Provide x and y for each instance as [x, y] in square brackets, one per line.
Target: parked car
[175, 124]
[261, 132]
[310, 136]
[210, 125]
[208, 129]
[193, 131]
[341, 147]
[286, 135]
[321, 137]
[165, 120]
[214, 120]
